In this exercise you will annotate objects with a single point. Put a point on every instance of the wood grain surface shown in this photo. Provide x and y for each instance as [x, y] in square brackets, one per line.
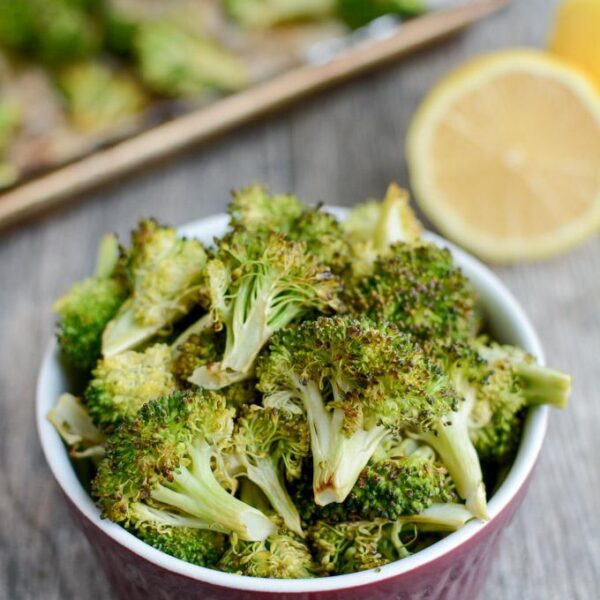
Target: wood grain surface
[340, 147]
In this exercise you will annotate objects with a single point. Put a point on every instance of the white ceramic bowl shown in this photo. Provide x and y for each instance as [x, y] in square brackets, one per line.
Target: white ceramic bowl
[508, 324]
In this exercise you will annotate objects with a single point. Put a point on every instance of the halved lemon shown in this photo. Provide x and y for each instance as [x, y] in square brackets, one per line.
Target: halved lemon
[504, 156]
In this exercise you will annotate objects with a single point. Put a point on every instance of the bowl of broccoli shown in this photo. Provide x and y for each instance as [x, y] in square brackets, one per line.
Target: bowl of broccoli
[291, 401]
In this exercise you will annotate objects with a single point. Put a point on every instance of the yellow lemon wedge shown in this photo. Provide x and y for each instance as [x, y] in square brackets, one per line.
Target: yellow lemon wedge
[576, 35]
[504, 156]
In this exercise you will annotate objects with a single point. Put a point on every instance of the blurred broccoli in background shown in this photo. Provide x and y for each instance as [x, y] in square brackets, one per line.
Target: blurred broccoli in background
[98, 97]
[174, 62]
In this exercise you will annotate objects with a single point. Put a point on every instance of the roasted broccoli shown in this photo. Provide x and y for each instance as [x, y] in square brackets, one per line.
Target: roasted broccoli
[123, 383]
[280, 556]
[90, 304]
[258, 285]
[271, 445]
[402, 478]
[165, 272]
[419, 288]
[164, 459]
[360, 545]
[303, 398]
[373, 227]
[356, 381]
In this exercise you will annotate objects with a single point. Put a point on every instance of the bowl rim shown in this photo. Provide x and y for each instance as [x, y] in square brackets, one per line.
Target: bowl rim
[502, 301]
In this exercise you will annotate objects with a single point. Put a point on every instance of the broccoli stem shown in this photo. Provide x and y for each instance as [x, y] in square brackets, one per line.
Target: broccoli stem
[453, 443]
[267, 476]
[108, 256]
[541, 385]
[123, 333]
[196, 492]
[337, 458]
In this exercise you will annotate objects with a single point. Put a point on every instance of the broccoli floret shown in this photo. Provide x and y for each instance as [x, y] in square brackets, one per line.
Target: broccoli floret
[355, 381]
[271, 445]
[343, 548]
[196, 546]
[88, 307]
[402, 478]
[166, 273]
[175, 62]
[418, 287]
[357, 13]
[98, 98]
[123, 383]
[508, 381]
[73, 422]
[169, 458]
[373, 227]
[254, 210]
[257, 286]
[280, 556]
[262, 14]
[356, 546]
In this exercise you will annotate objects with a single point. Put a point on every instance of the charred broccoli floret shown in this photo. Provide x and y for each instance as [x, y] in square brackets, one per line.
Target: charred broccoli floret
[355, 382]
[271, 445]
[169, 459]
[258, 285]
[418, 287]
[90, 304]
[280, 556]
[402, 478]
[165, 272]
[123, 383]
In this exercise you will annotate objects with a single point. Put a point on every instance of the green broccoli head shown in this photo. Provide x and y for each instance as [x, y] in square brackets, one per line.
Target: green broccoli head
[418, 287]
[196, 546]
[176, 62]
[343, 548]
[123, 383]
[166, 273]
[261, 14]
[280, 556]
[507, 381]
[402, 478]
[169, 458]
[373, 227]
[254, 210]
[355, 381]
[258, 285]
[271, 445]
[89, 306]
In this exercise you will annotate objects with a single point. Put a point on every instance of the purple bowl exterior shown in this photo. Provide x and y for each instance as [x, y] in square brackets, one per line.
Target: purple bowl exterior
[458, 575]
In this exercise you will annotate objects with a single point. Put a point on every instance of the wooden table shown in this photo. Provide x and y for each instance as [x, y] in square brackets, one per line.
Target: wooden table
[340, 147]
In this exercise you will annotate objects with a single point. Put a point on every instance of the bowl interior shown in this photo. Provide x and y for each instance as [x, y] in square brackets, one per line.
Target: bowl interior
[507, 323]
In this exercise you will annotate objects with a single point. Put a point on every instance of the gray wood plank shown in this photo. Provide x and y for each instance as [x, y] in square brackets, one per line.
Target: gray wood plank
[340, 147]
